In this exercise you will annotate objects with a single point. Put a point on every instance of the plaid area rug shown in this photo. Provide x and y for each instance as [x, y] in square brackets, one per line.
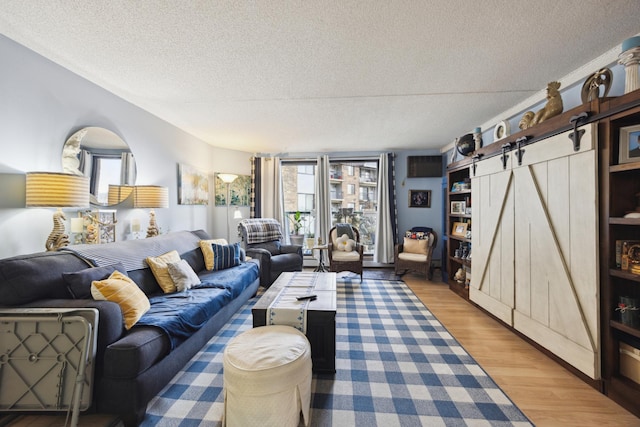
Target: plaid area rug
[396, 366]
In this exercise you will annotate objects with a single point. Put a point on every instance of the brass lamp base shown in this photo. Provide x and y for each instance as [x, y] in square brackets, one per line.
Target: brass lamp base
[153, 229]
[57, 239]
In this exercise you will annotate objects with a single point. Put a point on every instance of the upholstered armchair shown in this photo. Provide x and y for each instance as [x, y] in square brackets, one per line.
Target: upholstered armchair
[344, 248]
[262, 240]
[415, 252]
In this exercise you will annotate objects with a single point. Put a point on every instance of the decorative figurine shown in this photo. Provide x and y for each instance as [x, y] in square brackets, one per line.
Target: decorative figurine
[465, 144]
[465, 252]
[460, 275]
[552, 108]
[92, 236]
[153, 229]
[58, 238]
[591, 86]
[477, 137]
[630, 58]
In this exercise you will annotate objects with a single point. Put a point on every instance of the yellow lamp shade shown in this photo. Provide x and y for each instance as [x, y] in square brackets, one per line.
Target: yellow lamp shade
[150, 196]
[118, 193]
[58, 190]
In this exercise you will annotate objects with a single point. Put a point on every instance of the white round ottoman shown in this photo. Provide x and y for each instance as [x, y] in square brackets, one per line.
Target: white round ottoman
[267, 378]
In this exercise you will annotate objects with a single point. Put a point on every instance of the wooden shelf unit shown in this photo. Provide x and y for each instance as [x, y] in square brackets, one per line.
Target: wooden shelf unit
[619, 184]
[457, 172]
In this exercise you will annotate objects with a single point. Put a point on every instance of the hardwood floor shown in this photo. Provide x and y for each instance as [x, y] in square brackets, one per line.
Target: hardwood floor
[546, 392]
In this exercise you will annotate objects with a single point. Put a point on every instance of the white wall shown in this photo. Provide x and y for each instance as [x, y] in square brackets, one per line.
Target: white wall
[42, 104]
[418, 217]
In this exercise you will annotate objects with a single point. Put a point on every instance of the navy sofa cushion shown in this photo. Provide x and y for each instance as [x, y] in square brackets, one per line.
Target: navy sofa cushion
[285, 262]
[136, 352]
[79, 282]
[37, 276]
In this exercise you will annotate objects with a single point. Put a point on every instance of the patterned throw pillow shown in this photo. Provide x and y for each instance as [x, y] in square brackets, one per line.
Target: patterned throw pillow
[207, 251]
[226, 256]
[183, 275]
[123, 291]
[160, 270]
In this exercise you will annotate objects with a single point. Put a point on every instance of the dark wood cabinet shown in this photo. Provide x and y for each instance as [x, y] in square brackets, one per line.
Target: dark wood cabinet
[618, 193]
[620, 288]
[458, 211]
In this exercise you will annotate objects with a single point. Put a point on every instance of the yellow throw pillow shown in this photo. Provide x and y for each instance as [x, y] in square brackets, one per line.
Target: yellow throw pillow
[119, 288]
[415, 246]
[207, 251]
[159, 267]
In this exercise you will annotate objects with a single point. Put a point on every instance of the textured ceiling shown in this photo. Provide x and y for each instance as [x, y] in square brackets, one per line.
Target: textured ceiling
[302, 76]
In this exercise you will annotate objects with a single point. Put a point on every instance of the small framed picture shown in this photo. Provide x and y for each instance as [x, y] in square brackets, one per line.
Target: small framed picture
[458, 208]
[459, 229]
[419, 198]
[629, 144]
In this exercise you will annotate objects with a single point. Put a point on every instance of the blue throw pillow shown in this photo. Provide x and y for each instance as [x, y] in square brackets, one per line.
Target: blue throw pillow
[79, 282]
[225, 256]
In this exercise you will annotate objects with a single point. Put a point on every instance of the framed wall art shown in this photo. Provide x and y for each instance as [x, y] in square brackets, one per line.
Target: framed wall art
[239, 191]
[629, 144]
[193, 186]
[419, 198]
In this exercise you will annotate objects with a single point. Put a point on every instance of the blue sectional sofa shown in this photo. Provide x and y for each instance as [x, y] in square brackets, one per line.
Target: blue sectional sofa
[133, 365]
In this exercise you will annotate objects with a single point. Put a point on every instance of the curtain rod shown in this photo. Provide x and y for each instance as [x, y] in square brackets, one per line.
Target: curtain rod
[313, 159]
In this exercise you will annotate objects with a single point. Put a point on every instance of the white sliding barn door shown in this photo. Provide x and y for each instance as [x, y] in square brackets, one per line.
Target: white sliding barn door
[556, 249]
[536, 224]
[492, 274]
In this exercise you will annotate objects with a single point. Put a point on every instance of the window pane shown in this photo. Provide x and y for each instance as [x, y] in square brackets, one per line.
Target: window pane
[354, 189]
[298, 184]
[108, 171]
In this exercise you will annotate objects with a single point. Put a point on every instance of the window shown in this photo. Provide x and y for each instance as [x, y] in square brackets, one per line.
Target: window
[353, 190]
[106, 169]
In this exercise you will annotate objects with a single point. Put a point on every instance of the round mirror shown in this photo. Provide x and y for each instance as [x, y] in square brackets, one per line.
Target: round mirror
[103, 157]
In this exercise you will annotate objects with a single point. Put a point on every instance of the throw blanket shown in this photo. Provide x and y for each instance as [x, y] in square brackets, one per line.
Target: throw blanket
[260, 230]
[343, 228]
[181, 314]
[132, 253]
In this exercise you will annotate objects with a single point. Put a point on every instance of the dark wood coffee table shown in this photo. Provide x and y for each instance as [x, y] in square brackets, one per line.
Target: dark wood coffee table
[321, 315]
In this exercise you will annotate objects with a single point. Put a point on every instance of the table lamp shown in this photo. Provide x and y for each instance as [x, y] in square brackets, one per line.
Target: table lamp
[118, 193]
[151, 196]
[57, 190]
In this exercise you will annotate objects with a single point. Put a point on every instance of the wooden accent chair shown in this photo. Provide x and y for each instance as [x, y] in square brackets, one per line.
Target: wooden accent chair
[340, 260]
[415, 252]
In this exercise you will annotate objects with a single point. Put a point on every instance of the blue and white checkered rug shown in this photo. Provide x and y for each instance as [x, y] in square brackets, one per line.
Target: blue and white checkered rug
[396, 366]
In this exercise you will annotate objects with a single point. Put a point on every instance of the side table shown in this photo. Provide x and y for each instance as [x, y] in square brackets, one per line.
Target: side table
[321, 268]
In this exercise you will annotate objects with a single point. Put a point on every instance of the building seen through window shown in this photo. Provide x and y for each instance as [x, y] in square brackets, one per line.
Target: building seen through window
[353, 190]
